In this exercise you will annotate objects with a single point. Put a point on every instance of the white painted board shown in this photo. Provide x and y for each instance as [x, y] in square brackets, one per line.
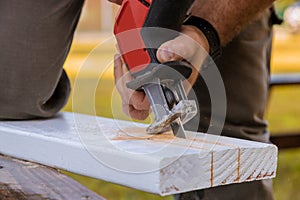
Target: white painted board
[121, 152]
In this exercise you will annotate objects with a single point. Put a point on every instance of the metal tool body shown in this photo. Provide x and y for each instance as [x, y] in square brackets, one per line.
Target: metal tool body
[138, 43]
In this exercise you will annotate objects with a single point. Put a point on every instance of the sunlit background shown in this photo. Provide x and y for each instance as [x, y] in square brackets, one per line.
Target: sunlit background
[95, 30]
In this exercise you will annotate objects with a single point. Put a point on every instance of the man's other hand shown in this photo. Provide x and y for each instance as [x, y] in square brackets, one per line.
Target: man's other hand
[135, 103]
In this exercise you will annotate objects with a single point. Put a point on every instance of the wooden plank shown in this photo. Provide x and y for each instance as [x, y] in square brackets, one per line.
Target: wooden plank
[121, 152]
[26, 180]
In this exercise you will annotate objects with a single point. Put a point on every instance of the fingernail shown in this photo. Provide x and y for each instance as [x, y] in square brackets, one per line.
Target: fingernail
[166, 55]
[116, 56]
[170, 53]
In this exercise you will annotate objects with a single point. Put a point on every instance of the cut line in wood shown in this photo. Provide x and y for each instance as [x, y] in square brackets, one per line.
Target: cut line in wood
[121, 152]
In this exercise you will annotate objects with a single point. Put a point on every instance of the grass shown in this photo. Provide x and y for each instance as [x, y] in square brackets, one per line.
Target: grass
[286, 183]
[283, 111]
[113, 191]
[93, 93]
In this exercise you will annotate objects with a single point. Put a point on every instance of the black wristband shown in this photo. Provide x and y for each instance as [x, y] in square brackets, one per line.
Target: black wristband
[210, 33]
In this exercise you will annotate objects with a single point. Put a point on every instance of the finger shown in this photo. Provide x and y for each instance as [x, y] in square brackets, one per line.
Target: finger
[130, 111]
[118, 75]
[139, 101]
[126, 74]
[118, 72]
[138, 114]
[165, 53]
[182, 47]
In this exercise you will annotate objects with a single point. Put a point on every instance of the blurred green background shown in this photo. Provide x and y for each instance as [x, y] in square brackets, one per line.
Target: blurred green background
[90, 68]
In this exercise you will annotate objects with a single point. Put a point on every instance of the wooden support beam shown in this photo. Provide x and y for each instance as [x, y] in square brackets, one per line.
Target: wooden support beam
[121, 152]
[26, 180]
[285, 79]
[286, 140]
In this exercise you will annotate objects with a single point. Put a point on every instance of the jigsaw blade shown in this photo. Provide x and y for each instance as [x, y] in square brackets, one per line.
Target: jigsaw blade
[167, 108]
[178, 129]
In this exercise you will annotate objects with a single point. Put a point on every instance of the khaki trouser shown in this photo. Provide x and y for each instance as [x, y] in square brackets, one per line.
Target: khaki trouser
[244, 67]
[35, 37]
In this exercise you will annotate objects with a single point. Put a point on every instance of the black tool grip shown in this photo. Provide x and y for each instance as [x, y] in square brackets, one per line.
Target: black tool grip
[165, 14]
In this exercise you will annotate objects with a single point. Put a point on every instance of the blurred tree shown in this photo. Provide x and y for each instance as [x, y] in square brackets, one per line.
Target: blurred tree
[281, 5]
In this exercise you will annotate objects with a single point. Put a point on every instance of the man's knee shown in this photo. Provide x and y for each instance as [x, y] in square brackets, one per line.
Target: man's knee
[35, 38]
[34, 101]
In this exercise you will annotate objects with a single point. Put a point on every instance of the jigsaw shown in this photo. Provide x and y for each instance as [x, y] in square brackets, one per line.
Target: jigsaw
[140, 28]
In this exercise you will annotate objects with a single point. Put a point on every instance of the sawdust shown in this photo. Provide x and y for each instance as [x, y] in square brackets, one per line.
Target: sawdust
[137, 133]
[140, 133]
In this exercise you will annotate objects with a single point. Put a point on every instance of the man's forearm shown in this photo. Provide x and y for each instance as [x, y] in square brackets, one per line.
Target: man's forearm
[229, 16]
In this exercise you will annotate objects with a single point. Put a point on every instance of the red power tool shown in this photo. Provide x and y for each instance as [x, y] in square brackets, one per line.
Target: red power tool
[140, 28]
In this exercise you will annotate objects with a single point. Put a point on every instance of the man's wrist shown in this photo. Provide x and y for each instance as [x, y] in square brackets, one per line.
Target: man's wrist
[201, 39]
[209, 32]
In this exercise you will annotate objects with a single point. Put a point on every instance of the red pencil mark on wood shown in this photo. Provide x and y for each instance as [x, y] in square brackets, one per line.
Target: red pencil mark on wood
[171, 188]
[266, 174]
[136, 133]
[259, 175]
[154, 137]
[212, 170]
[174, 187]
[251, 175]
[238, 166]
[166, 137]
[213, 142]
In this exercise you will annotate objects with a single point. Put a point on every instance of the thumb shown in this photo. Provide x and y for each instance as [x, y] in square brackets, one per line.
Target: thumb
[182, 47]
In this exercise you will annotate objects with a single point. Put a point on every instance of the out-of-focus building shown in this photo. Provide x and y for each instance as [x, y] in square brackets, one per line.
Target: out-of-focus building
[97, 15]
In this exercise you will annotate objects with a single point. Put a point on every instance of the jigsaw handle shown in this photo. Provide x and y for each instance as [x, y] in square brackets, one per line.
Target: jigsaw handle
[163, 14]
[141, 27]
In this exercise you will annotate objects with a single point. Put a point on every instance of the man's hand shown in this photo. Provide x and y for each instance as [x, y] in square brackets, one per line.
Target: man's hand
[135, 104]
[191, 46]
[184, 46]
